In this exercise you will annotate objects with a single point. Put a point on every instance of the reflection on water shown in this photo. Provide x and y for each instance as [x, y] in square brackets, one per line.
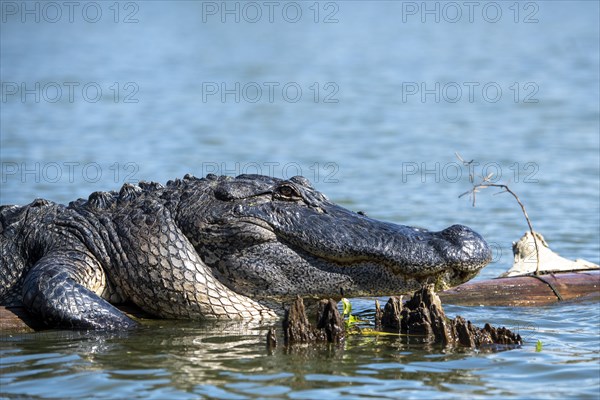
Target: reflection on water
[384, 144]
[168, 359]
[201, 360]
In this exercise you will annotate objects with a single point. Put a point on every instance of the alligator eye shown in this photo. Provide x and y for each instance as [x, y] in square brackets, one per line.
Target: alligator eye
[288, 192]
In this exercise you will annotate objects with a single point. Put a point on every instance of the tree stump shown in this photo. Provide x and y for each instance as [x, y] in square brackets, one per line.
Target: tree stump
[330, 325]
[424, 316]
[391, 313]
[271, 339]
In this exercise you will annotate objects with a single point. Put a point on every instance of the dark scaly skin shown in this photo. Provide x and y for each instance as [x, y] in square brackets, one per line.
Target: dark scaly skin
[217, 247]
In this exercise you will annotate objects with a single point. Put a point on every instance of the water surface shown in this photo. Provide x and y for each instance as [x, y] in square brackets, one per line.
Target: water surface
[365, 138]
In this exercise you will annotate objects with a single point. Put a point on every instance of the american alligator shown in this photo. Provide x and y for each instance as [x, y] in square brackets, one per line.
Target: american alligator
[215, 247]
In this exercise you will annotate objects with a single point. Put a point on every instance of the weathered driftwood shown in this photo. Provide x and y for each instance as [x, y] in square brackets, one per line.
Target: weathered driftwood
[329, 327]
[424, 317]
[531, 247]
[526, 290]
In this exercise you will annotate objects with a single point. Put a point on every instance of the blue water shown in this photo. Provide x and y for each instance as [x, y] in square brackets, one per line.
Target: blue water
[369, 100]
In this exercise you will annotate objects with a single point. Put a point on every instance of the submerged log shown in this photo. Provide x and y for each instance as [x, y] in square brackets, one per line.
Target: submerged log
[512, 291]
[18, 320]
[526, 290]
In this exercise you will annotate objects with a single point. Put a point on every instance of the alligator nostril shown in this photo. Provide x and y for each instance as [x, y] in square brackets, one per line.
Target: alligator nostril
[458, 233]
[467, 248]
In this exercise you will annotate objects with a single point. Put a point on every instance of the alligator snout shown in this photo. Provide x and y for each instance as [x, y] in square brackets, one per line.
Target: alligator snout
[466, 249]
[420, 252]
[345, 237]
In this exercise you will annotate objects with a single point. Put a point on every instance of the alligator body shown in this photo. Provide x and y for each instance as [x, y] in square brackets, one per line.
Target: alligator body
[216, 247]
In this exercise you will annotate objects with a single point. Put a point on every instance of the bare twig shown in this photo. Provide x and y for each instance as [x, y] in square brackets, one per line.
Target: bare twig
[485, 183]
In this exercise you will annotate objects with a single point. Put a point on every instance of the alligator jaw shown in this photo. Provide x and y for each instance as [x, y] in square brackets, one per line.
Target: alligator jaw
[274, 239]
[310, 253]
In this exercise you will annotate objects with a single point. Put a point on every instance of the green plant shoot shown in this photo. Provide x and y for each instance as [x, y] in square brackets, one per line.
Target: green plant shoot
[347, 313]
[538, 346]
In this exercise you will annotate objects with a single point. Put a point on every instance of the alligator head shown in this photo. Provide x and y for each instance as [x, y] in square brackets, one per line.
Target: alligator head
[272, 239]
